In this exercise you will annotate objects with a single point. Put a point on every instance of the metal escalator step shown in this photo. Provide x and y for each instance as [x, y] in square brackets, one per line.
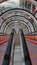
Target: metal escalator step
[19, 63]
[17, 51]
[17, 47]
[17, 57]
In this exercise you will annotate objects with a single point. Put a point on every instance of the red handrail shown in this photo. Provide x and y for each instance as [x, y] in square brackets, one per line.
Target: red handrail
[31, 37]
[32, 41]
[4, 38]
[2, 42]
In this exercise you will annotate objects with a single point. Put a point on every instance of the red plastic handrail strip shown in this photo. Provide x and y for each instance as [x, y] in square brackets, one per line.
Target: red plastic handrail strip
[32, 41]
[4, 37]
[3, 42]
[31, 37]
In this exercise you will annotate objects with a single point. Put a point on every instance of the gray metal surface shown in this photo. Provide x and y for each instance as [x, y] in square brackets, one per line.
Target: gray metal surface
[18, 58]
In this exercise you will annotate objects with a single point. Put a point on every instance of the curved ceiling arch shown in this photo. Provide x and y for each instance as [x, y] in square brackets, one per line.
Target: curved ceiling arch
[14, 9]
[31, 28]
[18, 12]
[23, 26]
[25, 21]
[19, 18]
[20, 24]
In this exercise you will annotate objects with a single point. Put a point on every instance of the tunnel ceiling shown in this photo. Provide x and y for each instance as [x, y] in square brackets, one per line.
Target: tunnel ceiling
[17, 18]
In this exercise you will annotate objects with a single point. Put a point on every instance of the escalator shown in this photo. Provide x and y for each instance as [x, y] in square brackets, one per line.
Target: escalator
[18, 58]
[16, 52]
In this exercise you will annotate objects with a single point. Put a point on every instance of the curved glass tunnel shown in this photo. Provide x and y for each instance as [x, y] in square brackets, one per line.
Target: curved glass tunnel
[17, 18]
[18, 47]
